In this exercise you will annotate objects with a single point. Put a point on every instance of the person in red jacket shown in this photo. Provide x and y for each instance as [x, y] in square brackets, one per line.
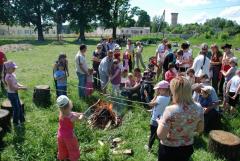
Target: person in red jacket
[3, 59]
[171, 73]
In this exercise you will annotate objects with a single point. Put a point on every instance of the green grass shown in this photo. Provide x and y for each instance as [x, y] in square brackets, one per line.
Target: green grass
[37, 141]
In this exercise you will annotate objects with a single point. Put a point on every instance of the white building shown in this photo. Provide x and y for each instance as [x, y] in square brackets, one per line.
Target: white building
[127, 31]
[23, 31]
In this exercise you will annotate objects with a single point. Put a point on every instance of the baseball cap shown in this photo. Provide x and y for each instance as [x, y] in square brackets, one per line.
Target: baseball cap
[10, 64]
[62, 101]
[206, 89]
[162, 84]
[234, 60]
[196, 85]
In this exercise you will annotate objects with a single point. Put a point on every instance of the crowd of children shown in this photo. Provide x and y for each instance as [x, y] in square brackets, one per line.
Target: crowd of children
[110, 66]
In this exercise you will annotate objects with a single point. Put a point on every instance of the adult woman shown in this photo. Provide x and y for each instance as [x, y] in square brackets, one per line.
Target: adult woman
[179, 122]
[130, 49]
[138, 56]
[187, 58]
[201, 63]
[98, 55]
[227, 55]
[160, 55]
[62, 59]
[216, 63]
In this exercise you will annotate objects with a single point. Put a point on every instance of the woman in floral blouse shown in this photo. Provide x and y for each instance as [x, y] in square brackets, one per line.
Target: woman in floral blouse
[179, 122]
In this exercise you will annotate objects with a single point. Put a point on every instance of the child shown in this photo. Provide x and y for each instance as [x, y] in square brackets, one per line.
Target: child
[89, 83]
[205, 98]
[191, 76]
[12, 89]
[127, 61]
[124, 78]
[115, 77]
[61, 77]
[233, 89]
[130, 82]
[146, 90]
[204, 79]
[68, 148]
[179, 59]
[117, 53]
[159, 103]
[171, 73]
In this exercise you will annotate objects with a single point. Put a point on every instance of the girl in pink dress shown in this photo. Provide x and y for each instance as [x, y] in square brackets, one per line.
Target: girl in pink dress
[68, 147]
[89, 83]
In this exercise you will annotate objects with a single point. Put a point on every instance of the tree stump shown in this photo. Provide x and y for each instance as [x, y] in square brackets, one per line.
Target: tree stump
[5, 119]
[224, 144]
[42, 95]
[6, 105]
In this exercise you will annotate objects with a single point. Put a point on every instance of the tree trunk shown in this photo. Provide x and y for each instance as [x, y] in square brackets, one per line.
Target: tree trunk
[224, 144]
[114, 32]
[82, 32]
[42, 95]
[59, 30]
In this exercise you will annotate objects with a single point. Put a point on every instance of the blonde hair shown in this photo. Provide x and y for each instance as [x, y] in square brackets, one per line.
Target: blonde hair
[181, 91]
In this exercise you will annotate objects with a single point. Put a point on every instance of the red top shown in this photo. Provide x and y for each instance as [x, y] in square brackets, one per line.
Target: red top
[65, 129]
[117, 56]
[169, 75]
[2, 56]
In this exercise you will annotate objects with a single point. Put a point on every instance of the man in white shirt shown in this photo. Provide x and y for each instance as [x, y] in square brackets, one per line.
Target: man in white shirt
[81, 70]
[201, 63]
[160, 55]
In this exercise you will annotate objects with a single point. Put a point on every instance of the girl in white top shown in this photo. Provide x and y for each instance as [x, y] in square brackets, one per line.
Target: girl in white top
[233, 88]
[159, 103]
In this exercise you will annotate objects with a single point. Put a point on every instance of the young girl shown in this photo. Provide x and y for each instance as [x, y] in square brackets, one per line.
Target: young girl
[89, 83]
[115, 77]
[191, 76]
[124, 78]
[171, 73]
[61, 78]
[12, 89]
[117, 53]
[68, 148]
[127, 61]
[159, 103]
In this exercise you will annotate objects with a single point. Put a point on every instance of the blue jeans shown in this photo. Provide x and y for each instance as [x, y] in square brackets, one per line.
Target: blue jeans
[18, 115]
[82, 78]
[61, 90]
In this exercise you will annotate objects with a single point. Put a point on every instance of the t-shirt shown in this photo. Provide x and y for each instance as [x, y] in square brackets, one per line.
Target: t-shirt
[61, 75]
[80, 59]
[162, 103]
[205, 102]
[186, 56]
[200, 67]
[117, 79]
[182, 122]
[235, 82]
[11, 79]
[231, 73]
[161, 52]
[105, 66]
[139, 49]
[169, 75]
[2, 56]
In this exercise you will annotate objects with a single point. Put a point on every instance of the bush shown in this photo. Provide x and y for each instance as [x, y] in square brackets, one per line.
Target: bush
[223, 36]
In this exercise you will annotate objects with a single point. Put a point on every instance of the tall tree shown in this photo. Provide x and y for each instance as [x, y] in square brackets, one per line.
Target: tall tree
[82, 13]
[114, 13]
[61, 11]
[34, 12]
[143, 19]
[6, 11]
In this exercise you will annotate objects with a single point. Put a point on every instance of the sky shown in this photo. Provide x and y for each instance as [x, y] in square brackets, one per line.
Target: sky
[191, 11]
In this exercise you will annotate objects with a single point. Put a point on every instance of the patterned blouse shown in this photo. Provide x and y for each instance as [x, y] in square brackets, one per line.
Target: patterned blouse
[182, 122]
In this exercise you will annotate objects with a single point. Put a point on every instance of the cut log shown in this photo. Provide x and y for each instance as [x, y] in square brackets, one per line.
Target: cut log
[224, 144]
[5, 120]
[6, 105]
[42, 95]
[123, 152]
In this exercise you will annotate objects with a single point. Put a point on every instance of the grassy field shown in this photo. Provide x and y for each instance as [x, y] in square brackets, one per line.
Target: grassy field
[37, 140]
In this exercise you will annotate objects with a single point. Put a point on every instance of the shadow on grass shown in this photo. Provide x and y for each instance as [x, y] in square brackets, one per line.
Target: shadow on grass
[49, 42]
[18, 139]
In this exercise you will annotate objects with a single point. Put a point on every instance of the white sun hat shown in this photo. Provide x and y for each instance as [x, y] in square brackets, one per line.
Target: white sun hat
[62, 101]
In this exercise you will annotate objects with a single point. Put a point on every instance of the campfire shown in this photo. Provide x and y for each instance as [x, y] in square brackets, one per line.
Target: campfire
[103, 115]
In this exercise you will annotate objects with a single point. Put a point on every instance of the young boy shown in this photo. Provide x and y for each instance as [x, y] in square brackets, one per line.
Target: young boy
[61, 77]
[191, 76]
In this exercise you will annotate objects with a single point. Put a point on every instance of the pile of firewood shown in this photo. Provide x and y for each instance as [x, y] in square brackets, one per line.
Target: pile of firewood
[103, 116]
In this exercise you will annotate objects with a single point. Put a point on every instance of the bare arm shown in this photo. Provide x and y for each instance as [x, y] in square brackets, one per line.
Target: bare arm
[162, 130]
